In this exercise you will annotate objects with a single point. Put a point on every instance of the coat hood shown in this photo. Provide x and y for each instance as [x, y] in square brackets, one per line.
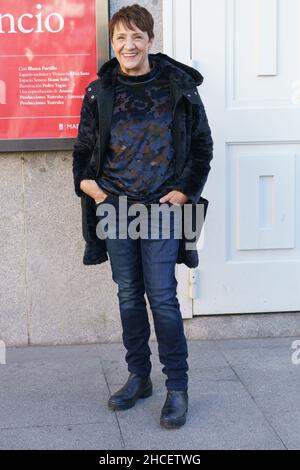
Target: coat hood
[184, 74]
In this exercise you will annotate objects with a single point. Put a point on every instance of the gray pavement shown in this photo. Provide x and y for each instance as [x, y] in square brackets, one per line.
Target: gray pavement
[243, 394]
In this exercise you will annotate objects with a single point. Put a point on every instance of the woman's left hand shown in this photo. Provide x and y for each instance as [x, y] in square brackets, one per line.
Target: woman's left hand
[175, 197]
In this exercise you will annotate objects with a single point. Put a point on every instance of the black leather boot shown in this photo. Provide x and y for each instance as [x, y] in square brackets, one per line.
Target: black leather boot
[136, 387]
[173, 413]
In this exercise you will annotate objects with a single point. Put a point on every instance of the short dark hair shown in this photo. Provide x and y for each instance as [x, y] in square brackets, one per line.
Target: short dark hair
[136, 14]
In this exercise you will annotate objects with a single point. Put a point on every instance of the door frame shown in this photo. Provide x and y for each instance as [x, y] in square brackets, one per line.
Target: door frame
[185, 276]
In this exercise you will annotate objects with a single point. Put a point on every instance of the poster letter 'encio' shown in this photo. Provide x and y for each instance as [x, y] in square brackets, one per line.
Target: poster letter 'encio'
[48, 56]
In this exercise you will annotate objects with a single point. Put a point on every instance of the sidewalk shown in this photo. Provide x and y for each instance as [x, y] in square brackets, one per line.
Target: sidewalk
[243, 394]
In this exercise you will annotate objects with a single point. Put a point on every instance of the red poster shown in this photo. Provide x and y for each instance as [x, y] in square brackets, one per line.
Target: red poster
[47, 56]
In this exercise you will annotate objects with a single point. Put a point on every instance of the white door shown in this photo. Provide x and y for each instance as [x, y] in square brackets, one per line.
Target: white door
[249, 54]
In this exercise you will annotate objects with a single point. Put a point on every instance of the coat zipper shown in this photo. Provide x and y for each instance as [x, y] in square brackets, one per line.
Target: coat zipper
[175, 105]
[174, 109]
[99, 158]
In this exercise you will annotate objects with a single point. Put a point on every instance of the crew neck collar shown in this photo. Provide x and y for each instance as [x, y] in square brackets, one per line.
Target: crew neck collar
[136, 79]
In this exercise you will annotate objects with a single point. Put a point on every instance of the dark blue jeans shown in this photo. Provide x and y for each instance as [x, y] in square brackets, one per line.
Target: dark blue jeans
[142, 266]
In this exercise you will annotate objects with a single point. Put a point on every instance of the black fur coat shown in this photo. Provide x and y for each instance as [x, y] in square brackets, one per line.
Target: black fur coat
[192, 141]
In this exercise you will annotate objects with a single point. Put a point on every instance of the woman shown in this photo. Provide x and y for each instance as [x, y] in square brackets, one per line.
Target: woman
[157, 145]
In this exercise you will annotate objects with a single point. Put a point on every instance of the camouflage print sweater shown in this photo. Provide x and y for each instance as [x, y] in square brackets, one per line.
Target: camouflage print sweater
[140, 158]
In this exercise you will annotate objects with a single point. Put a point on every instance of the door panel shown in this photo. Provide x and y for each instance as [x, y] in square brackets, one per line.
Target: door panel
[248, 52]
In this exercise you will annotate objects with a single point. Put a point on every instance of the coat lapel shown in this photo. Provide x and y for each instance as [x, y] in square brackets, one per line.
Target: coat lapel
[105, 104]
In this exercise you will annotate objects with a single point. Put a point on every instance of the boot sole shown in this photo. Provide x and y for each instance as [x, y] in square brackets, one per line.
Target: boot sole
[173, 424]
[126, 406]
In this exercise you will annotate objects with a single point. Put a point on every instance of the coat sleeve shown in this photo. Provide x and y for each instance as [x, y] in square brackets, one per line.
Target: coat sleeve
[85, 143]
[195, 172]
